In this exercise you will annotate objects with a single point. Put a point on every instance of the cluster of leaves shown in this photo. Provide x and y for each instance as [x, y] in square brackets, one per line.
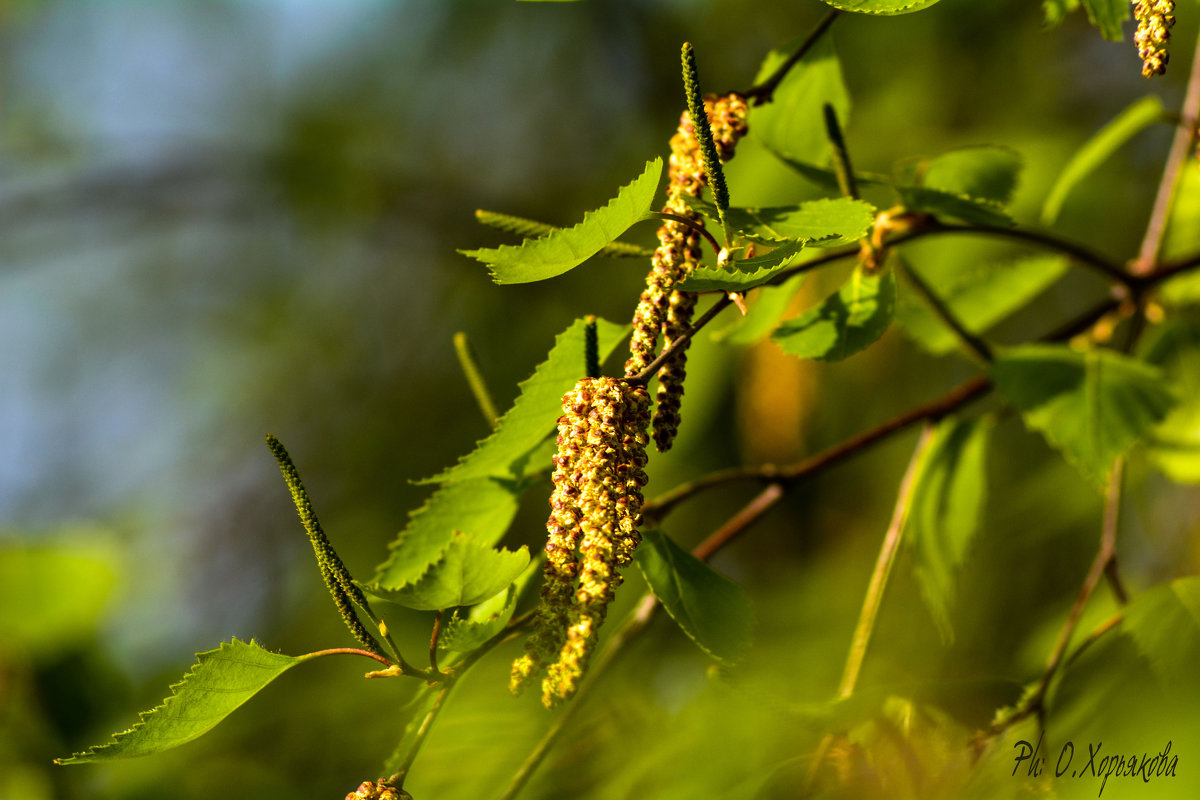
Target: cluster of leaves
[1093, 404]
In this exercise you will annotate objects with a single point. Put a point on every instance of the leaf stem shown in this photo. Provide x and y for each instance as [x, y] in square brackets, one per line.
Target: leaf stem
[841, 155]
[974, 344]
[470, 368]
[1104, 564]
[352, 651]
[1186, 133]
[433, 642]
[397, 778]
[764, 92]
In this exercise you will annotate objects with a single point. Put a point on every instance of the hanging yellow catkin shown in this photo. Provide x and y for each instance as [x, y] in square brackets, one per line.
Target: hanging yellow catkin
[1154, 21]
[664, 310]
[592, 529]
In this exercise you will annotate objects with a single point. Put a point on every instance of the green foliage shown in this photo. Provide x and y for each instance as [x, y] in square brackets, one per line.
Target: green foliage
[768, 306]
[884, 7]
[481, 507]
[563, 250]
[979, 295]
[539, 403]
[51, 594]
[1138, 116]
[1107, 15]
[1165, 623]
[948, 499]
[220, 682]
[792, 124]
[484, 620]
[745, 274]
[530, 229]
[469, 571]
[845, 323]
[711, 609]
[987, 174]
[1174, 445]
[1093, 405]
[828, 222]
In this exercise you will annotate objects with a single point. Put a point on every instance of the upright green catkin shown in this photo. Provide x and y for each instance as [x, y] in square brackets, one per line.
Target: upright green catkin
[592, 529]
[337, 578]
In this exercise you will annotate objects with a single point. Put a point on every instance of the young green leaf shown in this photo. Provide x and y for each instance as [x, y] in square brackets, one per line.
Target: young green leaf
[988, 173]
[221, 680]
[845, 323]
[482, 507]
[827, 179]
[1130, 122]
[485, 620]
[792, 124]
[881, 7]
[565, 249]
[1093, 406]
[711, 609]
[469, 572]
[530, 229]
[532, 416]
[955, 206]
[949, 494]
[978, 294]
[745, 274]
[1165, 624]
[768, 304]
[828, 222]
[1174, 446]
[1107, 15]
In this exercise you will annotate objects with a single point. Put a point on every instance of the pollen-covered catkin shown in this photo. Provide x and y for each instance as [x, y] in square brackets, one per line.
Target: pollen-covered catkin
[1154, 21]
[595, 508]
[610, 503]
[664, 310]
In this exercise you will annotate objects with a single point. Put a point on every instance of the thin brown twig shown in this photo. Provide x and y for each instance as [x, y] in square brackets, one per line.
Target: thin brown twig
[951, 401]
[1185, 138]
[1100, 567]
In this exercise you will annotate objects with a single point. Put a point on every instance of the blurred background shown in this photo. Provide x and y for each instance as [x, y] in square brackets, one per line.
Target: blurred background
[223, 219]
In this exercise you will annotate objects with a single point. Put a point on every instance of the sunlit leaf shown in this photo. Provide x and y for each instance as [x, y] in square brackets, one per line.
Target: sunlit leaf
[1130, 122]
[538, 405]
[567, 248]
[222, 680]
[744, 274]
[1093, 406]
[481, 507]
[884, 7]
[792, 123]
[948, 498]
[828, 222]
[711, 609]
[530, 228]
[465, 633]
[845, 323]
[1165, 623]
[469, 572]
[979, 294]
[987, 172]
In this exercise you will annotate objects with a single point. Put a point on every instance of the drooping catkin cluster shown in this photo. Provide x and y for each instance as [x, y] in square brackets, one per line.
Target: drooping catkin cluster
[664, 310]
[1154, 21]
[370, 790]
[595, 510]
